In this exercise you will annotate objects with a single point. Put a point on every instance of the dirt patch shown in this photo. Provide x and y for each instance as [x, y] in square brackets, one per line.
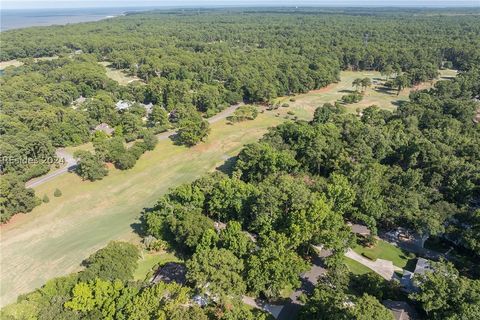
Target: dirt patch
[331, 86]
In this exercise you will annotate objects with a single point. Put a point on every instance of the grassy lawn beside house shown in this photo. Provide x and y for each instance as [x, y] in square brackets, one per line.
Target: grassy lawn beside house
[386, 251]
[151, 260]
[356, 267]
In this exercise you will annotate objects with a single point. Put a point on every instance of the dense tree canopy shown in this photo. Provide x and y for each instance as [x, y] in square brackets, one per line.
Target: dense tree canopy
[252, 230]
[203, 61]
[444, 294]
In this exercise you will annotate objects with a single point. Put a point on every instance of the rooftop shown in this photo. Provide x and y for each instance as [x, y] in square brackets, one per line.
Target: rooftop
[171, 272]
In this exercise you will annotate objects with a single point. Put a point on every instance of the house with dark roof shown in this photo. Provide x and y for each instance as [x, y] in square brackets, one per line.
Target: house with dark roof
[359, 229]
[401, 310]
[104, 128]
[171, 272]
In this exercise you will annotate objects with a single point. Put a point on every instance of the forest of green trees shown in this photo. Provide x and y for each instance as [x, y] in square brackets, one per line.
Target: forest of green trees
[196, 61]
[417, 167]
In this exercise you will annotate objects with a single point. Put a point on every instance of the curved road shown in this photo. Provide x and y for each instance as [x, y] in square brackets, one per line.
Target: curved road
[71, 162]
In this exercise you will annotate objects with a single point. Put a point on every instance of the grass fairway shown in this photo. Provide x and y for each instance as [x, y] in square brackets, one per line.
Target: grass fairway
[55, 237]
[120, 76]
[18, 63]
[305, 104]
[386, 251]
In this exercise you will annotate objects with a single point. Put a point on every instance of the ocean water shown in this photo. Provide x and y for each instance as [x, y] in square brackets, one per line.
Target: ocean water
[22, 18]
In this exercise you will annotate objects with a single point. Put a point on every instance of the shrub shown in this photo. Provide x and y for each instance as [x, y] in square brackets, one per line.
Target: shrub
[153, 244]
[285, 105]
[125, 161]
[138, 149]
[244, 113]
[57, 193]
[46, 199]
[293, 99]
[352, 98]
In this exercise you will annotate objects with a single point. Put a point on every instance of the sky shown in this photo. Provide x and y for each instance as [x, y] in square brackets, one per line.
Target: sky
[34, 4]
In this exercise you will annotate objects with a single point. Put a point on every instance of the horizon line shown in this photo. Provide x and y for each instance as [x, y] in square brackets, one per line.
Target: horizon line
[146, 7]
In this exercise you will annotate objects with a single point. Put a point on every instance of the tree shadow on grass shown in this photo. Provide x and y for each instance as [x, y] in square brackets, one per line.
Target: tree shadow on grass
[385, 90]
[228, 166]
[399, 103]
[140, 227]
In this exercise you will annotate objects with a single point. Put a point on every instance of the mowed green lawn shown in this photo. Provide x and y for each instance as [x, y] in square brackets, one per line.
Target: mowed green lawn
[356, 267]
[54, 238]
[148, 261]
[386, 251]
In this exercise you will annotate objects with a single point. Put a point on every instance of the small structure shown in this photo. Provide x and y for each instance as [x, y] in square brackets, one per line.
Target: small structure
[122, 105]
[401, 310]
[77, 102]
[170, 272]
[201, 301]
[423, 266]
[476, 118]
[406, 236]
[359, 229]
[105, 128]
[148, 107]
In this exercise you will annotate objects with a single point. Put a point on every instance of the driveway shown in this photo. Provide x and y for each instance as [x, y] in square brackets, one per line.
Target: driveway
[384, 268]
[309, 279]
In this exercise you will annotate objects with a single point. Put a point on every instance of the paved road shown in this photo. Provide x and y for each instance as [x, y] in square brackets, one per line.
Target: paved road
[70, 162]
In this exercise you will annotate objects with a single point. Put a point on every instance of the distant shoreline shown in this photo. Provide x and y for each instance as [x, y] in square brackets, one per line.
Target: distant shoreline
[14, 19]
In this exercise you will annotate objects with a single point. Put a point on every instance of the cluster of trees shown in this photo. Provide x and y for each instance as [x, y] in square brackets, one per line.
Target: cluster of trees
[247, 236]
[352, 98]
[416, 167]
[192, 129]
[105, 289]
[247, 112]
[445, 294]
[340, 295]
[362, 83]
[91, 166]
